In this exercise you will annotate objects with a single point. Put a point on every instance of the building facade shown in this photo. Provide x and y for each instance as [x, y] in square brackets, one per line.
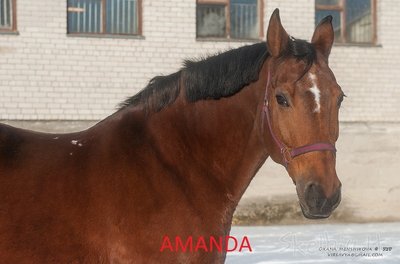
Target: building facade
[57, 64]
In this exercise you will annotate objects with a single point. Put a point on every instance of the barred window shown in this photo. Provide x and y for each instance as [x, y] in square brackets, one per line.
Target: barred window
[121, 17]
[354, 21]
[237, 19]
[8, 21]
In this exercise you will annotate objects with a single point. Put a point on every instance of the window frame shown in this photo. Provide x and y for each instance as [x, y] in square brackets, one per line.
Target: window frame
[13, 28]
[227, 35]
[104, 24]
[341, 8]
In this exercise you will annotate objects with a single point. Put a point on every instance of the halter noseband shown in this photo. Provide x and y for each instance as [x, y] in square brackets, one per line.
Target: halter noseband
[289, 153]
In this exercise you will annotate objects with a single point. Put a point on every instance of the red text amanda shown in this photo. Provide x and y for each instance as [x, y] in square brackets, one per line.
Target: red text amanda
[205, 244]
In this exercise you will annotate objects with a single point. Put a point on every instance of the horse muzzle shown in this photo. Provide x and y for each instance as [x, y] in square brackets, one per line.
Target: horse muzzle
[315, 205]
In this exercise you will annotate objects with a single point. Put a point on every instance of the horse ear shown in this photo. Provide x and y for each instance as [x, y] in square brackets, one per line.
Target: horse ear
[323, 36]
[277, 38]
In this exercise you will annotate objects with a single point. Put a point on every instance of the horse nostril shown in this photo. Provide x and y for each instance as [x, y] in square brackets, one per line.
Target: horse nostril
[335, 200]
[315, 197]
[311, 195]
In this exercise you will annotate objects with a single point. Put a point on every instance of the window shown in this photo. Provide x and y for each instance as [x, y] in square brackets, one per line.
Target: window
[120, 17]
[236, 19]
[354, 21]
[8, 21]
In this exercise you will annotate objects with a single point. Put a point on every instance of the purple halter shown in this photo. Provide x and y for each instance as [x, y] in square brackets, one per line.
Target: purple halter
[289, 153]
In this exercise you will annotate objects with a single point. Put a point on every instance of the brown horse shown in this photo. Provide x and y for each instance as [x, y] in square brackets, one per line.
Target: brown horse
[175, 159]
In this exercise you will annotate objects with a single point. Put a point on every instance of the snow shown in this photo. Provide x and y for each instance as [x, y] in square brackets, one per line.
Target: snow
[306, 244]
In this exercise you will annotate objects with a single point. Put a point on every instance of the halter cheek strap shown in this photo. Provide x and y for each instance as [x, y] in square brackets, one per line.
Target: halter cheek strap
[289, 153]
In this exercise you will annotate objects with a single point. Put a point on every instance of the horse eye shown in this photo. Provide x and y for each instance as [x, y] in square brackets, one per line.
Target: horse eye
[282, 100]
[340, 100]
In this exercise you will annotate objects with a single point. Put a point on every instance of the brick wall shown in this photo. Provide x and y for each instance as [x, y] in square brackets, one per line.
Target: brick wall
[370, 76]
[46, 74]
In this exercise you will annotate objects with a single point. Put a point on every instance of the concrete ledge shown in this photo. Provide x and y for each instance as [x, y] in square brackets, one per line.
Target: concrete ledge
[51, 126]
[285, 210]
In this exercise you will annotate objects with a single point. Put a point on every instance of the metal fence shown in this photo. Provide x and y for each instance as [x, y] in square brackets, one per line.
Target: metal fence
[244, 20]
[6, 11]
[122, 16]
[243, 23]
[103, 16]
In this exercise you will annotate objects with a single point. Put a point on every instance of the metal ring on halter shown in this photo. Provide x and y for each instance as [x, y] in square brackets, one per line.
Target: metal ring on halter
[287, 157]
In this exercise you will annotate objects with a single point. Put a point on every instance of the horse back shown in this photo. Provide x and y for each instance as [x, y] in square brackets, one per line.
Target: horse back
[43, 195]
[10, 143]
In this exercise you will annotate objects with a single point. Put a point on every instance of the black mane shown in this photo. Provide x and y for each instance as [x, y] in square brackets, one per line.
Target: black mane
[224, 74]
[159, 93]
[217, 76]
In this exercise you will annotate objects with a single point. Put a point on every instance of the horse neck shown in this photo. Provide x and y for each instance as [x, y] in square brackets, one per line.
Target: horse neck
[215, 145]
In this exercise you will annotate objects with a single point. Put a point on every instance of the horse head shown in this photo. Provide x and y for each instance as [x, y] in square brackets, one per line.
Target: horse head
[302, 102]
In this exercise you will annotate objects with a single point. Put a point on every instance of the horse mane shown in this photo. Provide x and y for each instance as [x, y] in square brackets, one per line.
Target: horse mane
[214, 77]
[159, 93]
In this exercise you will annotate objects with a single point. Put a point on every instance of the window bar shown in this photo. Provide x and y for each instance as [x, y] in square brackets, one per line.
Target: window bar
[246, 18]
[338, 7]
[134, 17]
[14, 15]
[343, 21]
[6, 18]
[123, 16]
[239, 21]
[129, 20]
[374, 21]
[114, 25]
[253, 16]
[75, 18]
[4, 7]
[2, 23]
[118, 15]
[234, 12]
[90, 17]
[112, 16]
[95, 18]
[78, 19]
[138, 20]
[242, 18]
[1, 17]
[250, 18]
[8, 14]
[103, 17]
[246, 21]
[85, 13]
[228, 19]
[260, 12]
[70, 18]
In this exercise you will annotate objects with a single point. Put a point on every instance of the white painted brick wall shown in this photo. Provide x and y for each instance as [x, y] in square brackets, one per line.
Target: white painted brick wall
[46, 74]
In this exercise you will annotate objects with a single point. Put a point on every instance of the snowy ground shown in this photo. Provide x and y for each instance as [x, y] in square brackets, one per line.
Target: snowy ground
[318, 244]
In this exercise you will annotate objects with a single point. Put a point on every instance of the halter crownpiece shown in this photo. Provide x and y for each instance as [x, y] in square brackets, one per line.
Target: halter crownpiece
[289, 153]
